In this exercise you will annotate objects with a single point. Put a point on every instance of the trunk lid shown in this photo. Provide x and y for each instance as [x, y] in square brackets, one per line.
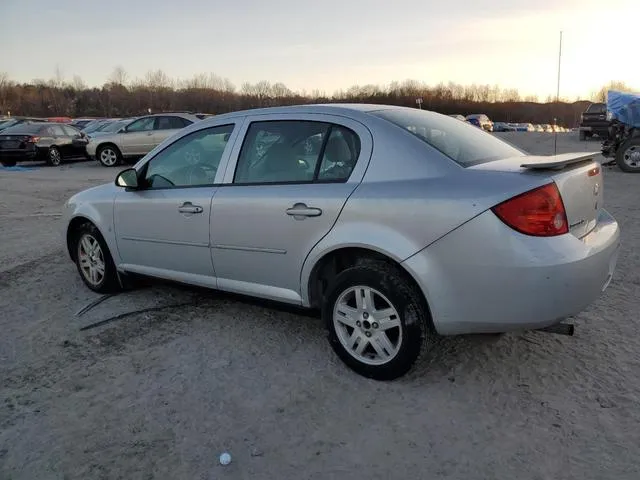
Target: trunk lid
[9, 142]
[577, 175]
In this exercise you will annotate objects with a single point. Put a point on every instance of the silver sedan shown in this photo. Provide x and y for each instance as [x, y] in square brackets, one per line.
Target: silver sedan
[397, 223]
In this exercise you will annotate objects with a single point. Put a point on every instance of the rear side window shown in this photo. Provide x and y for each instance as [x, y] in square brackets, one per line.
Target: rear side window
[597, 108]
[461, 142]
[171, 123]
[291, 151]
[57, 130]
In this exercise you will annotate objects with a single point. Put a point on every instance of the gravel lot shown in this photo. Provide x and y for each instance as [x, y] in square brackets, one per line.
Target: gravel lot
[160, 394]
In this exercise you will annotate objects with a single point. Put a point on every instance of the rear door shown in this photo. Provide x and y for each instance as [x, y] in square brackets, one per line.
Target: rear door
[287, 180]
[62, 140]
[138, 138]
[167, 125]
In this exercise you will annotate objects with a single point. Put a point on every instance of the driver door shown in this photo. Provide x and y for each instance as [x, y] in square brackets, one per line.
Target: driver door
[138, 137]
[162, 229]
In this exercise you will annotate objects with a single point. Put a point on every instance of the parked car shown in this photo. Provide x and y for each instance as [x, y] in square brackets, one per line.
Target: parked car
[548, 128]
[539, 128]
[623, 141]
[459, 117]
[17, 121]
[594, 121]
[80, 123]
[137, 138]
[53, 143]
[501, 127]
[66, 120]
[480, 120]
[402, 224]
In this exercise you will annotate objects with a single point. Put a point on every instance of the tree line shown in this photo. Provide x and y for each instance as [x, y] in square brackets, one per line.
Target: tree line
[209, 93]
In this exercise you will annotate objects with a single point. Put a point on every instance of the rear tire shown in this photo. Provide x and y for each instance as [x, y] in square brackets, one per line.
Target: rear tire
[8, 163]
[379, 336]
[109, 156]
[94, 261]
[54, 157]
[628, 156]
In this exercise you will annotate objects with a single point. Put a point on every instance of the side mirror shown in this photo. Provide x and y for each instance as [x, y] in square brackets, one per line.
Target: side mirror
[128, 179]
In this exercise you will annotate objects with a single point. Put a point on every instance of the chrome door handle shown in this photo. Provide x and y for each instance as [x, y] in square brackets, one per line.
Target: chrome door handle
[188, 207]
[301, 210]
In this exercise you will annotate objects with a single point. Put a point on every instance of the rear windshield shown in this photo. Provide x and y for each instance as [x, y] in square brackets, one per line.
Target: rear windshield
[597, 108]
[463, 143]
[23, 128]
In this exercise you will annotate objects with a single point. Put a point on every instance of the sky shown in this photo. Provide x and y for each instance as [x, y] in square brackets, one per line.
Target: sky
[330, 44]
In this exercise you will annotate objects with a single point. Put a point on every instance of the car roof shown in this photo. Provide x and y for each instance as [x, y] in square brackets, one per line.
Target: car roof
[348, 109]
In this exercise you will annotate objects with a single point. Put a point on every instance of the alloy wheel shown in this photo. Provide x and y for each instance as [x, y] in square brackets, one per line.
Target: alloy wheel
[367, 325]
[108, 157]
[91, 259]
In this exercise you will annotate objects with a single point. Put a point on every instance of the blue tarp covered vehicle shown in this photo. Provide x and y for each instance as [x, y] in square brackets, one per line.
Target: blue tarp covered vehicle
[623, 142]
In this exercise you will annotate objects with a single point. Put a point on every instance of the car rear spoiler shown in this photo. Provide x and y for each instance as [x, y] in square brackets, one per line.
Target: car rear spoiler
[557, 162]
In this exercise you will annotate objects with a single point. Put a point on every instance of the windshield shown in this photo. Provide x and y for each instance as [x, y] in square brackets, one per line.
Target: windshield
[113, 126]
[463, 143]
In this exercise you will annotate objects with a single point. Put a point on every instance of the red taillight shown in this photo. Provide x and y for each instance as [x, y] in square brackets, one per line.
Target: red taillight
[538, 212]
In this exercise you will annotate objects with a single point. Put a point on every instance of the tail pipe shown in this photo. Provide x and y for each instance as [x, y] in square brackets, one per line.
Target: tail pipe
[559, 328]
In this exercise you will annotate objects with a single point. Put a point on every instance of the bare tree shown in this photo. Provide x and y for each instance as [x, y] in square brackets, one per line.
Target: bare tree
[118, 76]
[601, 95]
[78, 84]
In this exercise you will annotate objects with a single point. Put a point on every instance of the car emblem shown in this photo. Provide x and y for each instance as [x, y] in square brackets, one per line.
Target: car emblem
[596, 189]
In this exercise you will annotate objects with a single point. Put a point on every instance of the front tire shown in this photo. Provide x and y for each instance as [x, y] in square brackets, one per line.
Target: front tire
[109, 156]
[377, 320]
[8, 163]
[54, 157]
[93, 260]
[628, 156]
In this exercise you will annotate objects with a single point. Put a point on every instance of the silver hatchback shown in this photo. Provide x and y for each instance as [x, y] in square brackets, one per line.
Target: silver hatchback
[397, 223]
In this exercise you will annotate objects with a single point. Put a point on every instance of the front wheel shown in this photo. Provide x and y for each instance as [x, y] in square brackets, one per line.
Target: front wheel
[109, 156]
[377, 320]
[8, 163]
[628, 156]
[54, 157]
[94, 261]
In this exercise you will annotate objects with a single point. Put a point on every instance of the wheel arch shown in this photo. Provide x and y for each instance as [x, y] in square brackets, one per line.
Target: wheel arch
[74, 226]
[333, 261]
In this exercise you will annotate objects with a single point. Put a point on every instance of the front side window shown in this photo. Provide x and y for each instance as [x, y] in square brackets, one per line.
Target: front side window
[191, 161]
[142, 125]
[464, 144]
[70, 131]
[296, 151]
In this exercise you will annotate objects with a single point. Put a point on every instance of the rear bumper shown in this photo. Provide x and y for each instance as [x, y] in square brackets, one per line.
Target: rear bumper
[484, 277]
[18, 155]
[595, 127]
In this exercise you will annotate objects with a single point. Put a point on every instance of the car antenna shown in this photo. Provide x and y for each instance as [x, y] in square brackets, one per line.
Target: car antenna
[555, 134]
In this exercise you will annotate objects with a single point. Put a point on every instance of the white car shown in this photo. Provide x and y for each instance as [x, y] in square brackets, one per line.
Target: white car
[137, 138]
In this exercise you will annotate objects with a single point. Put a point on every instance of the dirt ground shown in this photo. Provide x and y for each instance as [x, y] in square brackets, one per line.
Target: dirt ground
[160, 394]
